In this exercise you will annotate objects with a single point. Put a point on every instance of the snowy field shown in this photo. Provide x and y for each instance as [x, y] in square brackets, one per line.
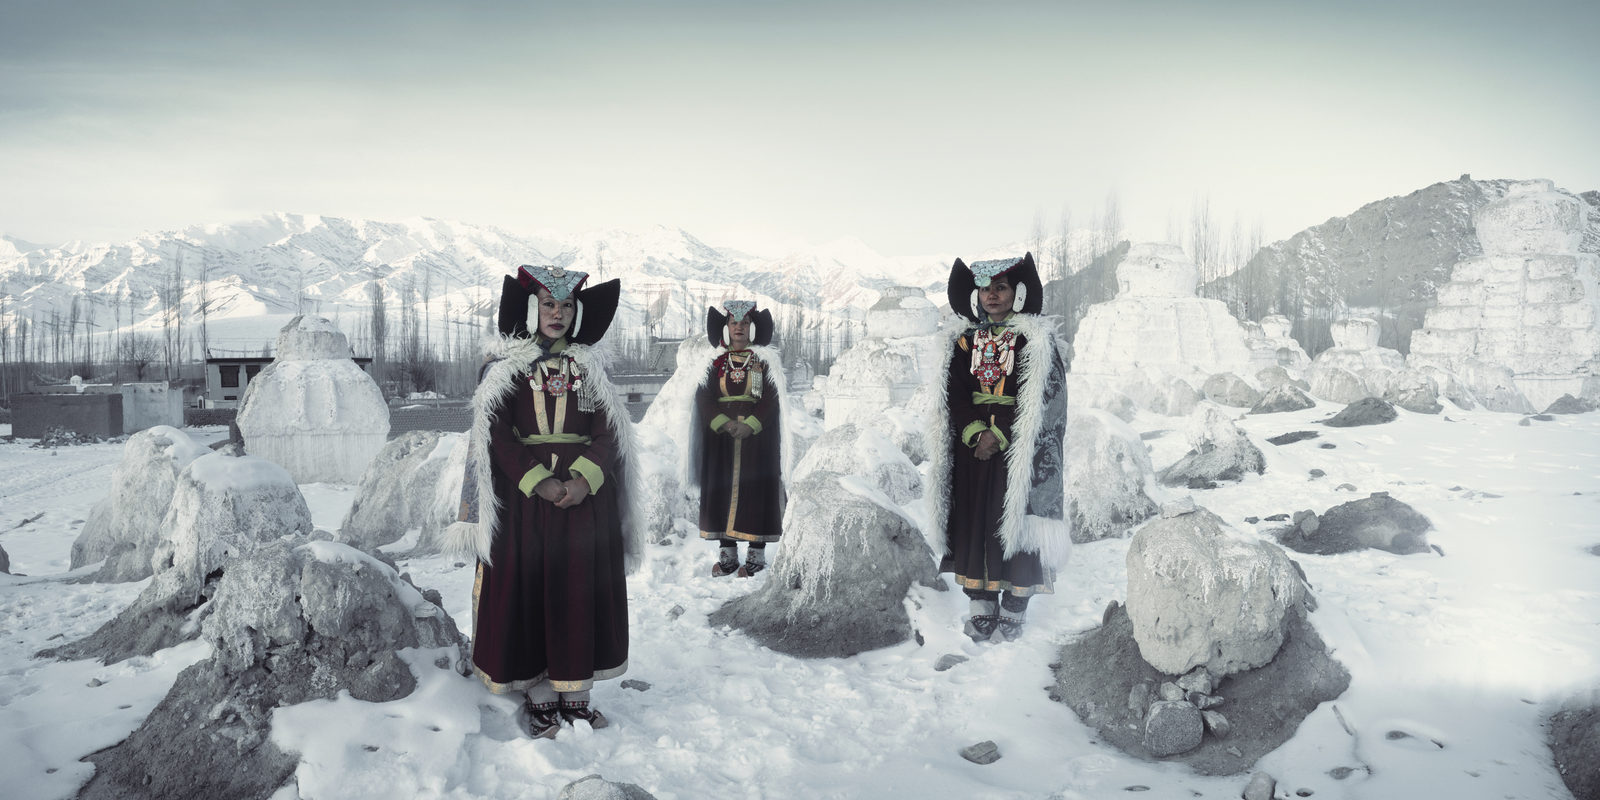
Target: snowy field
[1455, 659]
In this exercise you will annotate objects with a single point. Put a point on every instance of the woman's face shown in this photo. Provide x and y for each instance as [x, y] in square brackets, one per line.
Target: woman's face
[555, 316]
[738, 334]
[996, 298]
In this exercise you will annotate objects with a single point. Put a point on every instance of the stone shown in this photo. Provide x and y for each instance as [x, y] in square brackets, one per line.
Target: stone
[1199, 596]
[866, 451]
[594, 787]
[1261, 787]
[1378, 521]
[1196, 680]
[1366, 411]
[985, 752]
[1226, 388]
[1337, 385]
[1345, 487]
[838, 585]
[1219, 452]
[1216, 723]
[400, 490]
[1139, 698]
[5, 562]
[1317, 473]
[1178, 507]
[947, 661]
[124, 529]
[636, 684]
[1285, 397]
[1567, 404]
[1573, 734]
[1169, 691]
[1292, 437]
[1108, 469]
[1172, 727]
[1413, 390]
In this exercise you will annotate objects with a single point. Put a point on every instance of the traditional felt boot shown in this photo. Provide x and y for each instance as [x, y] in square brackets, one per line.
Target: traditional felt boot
[982, 622]
[539, 720]
[727, 562]
[574, 710]
[755, 560]
[1011, 622]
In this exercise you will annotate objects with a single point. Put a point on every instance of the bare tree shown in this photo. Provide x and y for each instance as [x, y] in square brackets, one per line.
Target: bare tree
[380, 328]
[142, 352]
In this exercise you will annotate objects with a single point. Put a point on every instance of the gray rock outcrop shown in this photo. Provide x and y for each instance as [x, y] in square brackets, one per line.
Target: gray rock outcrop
[400, 491]
[1413, 390]
[1108, 476]
[1378, 521]
[291, 622]
[1199, 596]
[5, 562]
[594, 787]
[1573, 733]
[838, 585]
[865, 451]
[1366, 411]
[125, 528]
[1281, 398]
[1228, 389]
[1219, 452]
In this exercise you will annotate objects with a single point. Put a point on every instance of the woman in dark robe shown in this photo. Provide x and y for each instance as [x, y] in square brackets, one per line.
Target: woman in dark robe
[998, 494]
[737, 422]
[546, 503]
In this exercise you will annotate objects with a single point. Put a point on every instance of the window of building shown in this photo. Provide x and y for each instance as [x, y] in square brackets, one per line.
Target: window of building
[230, 375]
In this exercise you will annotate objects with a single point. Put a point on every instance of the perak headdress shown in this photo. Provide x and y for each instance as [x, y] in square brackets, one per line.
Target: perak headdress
[736, 310]
[596, 305]
[1024, 276]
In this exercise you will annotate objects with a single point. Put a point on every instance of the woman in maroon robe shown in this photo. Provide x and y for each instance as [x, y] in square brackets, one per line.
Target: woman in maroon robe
[737, 421]
[546, 507]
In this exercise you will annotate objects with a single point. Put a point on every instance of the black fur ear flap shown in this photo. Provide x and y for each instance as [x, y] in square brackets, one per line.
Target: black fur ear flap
[599, 303]
[513, 309]
[1026, 273]
[715, 320]
[960, 289]
[763, 323]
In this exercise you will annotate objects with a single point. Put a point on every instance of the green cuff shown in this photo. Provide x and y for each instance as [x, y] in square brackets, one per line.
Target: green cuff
[531, 479]
[590, 471]
[1004, 442]
[720, 420]
[755, 424]
[971, 431]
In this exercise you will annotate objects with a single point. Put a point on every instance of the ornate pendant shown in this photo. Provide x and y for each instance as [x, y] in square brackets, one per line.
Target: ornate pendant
[992, 357]
[556, 385]
[737, 375]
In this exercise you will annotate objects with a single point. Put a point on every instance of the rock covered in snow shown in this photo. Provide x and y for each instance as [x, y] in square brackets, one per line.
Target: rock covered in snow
[1281, 398]
[1199, 596]
[1337, 385]
[867, 452]
[594, 787]
[1377, 521]
[1219, 452]
[1366, 411]
[5, 562]
[291, 622]
[1573, 733]
[1413, 390]
[874, 374]
[1272, 346]
[125, 529]
[1102, 393]
[838, 585]
[1226, 388]
[1109, 476]
[1530, 304]
[400, 491]
[312, 410]
[1157, 321]
[1567, 404]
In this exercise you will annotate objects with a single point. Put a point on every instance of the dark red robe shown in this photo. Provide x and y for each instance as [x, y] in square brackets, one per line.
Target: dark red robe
[741, 480]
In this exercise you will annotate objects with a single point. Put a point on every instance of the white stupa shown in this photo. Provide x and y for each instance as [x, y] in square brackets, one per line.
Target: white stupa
[312, 411]
[885, 369]
[1157, 321]
[1271, 346]
[1530, 304]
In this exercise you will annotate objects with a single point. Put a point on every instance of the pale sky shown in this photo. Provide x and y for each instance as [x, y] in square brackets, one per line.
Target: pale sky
[916, 126]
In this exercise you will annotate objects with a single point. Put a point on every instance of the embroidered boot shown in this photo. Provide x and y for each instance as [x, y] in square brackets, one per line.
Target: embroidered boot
[727, 562]
[755, 560]
[539, 720]
[982, 622]
[574, 710]
[1010, 623]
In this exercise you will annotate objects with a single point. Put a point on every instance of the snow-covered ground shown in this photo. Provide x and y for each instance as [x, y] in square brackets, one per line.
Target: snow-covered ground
[1462, 653]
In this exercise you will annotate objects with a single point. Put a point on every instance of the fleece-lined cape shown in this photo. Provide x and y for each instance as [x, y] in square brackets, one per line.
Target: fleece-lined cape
[1033, 518]
[512, 361]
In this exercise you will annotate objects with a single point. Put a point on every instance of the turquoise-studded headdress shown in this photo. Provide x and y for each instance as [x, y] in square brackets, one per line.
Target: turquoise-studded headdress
[736, 310]
[596, 305]
[966, 280]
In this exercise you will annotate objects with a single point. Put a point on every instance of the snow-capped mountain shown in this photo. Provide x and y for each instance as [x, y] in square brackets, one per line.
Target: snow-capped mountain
[252, 275]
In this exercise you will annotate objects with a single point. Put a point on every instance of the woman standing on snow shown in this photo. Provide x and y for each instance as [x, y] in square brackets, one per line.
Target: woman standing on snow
[997, 470]
[736, 424]
[545, 507]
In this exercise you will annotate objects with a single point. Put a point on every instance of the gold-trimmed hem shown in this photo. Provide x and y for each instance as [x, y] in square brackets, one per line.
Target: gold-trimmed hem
[741, 536]
[1004, 586]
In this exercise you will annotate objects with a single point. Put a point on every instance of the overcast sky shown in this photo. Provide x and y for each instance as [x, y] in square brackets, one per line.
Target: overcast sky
[917, 127]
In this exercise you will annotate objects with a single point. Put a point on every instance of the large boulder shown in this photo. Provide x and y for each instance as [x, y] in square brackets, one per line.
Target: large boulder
[1413, 390]
[125, 529]
[1281, 398]
[1573, 732]
[223, 508]
[397, 493]
[1366, 411]
[5, 562]
[1379, 522]
[1109, 476]
[292, 622]
[1175, 399]
[1219, 452]
[838, 585]
[1567, 404]
[865, 451]
[1336, 384]
[1199, 595]
[312, 410]
[1228, 389]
